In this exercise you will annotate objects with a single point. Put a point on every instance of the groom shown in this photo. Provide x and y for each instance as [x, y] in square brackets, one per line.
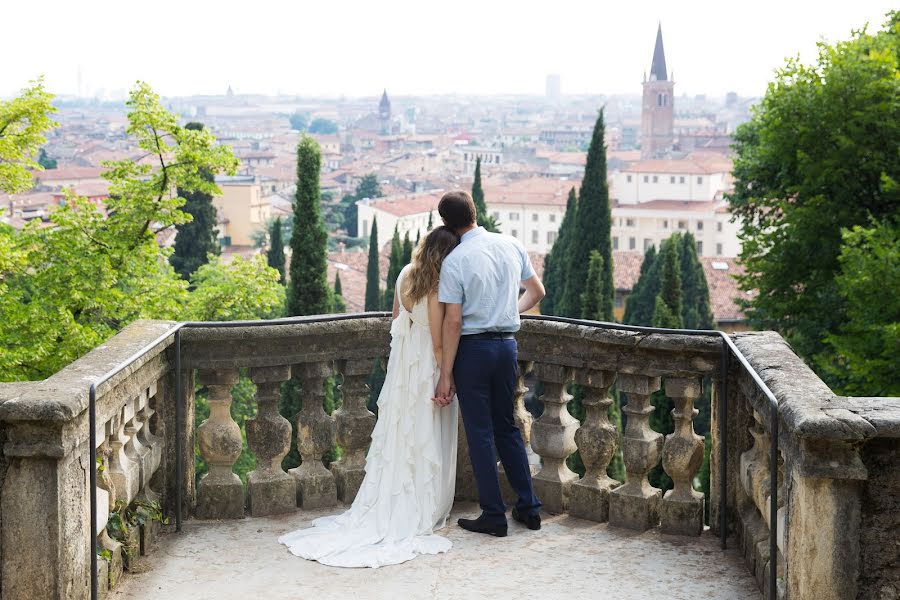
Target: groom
[479, 285]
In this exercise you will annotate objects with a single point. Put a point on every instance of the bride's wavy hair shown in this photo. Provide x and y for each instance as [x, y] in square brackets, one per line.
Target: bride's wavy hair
[426, 263]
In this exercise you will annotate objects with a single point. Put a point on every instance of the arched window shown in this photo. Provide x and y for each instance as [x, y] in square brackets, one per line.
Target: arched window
[662, 99]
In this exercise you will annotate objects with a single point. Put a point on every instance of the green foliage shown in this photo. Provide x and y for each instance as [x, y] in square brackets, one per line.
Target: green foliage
[703, 476]
[394, 268]
[308, 292]
[368, 187]
[75, 284]
[867, 343]
[819, 156]
[339, 305]
[406, 255]
[555, 262]
[591, 231]
[616, 468]
[23, 122]
[373, 278]
[299, 121]
[669, 306]
[275, 253]
[696, 310]
[243, 408]
[641, 302]
[45, 160]
[196, 238]
[593, 295]
[483, 219]
[430, 220]
[240, 290]
[323, 126]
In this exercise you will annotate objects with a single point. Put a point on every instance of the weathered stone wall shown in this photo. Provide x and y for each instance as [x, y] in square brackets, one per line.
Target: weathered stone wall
[879, 573]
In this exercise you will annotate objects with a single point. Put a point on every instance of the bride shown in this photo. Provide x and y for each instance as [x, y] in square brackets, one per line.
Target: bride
[411, 465]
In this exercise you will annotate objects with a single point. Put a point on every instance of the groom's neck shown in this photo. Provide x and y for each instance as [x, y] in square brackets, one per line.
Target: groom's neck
[464, 230]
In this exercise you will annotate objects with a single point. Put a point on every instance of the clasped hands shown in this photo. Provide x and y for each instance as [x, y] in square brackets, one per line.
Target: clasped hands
[444, 392]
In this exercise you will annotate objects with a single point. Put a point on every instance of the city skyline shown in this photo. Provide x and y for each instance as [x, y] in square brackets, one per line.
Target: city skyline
[712, 49]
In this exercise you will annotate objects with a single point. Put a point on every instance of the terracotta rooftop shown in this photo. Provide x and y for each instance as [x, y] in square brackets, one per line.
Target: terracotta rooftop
[694, 164]
[64, 173]
[532, 191]
[409, 204]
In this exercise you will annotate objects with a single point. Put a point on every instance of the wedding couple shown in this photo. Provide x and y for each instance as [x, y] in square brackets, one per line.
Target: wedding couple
[456, 311]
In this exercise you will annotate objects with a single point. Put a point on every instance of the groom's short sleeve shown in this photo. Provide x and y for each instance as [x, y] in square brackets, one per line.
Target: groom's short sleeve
[527, 269]
[450, 286]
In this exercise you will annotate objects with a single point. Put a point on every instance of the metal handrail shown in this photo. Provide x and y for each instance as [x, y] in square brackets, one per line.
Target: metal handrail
[729, 349]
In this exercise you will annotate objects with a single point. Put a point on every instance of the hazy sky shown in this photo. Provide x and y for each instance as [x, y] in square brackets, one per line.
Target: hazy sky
[333, 47]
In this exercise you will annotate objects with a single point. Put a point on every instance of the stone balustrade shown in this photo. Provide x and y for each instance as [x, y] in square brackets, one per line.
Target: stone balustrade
[832, 450]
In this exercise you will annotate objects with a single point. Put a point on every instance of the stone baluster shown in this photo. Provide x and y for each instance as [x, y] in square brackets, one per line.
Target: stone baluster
[123, 472]
[597, 440]
[109, 570]
[754, 474]
[269, 489]
[681, 512]
[553, 438]
[153, 442]
[220, 494]
[354, 424]
[134, 448]
[316, 487]
[635, 505]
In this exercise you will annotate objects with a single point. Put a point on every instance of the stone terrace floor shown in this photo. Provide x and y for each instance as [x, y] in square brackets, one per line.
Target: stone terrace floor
[568, 559]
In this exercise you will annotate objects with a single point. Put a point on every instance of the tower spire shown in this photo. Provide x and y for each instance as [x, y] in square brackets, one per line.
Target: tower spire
[658, 66]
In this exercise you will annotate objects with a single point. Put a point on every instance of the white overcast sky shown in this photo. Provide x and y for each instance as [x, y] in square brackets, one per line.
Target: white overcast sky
[334, 47]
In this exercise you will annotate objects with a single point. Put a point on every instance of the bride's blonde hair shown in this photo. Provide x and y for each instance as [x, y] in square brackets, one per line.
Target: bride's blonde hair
[427, 258]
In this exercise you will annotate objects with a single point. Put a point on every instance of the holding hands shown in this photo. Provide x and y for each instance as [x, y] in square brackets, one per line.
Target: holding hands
[445, 390]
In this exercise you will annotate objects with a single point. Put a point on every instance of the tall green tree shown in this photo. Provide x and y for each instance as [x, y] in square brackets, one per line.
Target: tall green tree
[642, 299]
[696, 309]
[339, 305]
[275, 253]
[368, 187]
[373, 277]
[196, 239]
[23, 122]
[308, 292]
[592, 297]
[394, 267]
[818, 156]
[430, 220]
[591, 231]
[407, 251]
[669, 306]
[868, 341]
[45, 160]
[555, 261]
[96, 272]
[483, 218]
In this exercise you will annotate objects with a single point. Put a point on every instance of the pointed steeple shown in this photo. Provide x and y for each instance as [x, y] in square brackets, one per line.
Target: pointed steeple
[385, 104]
[658, 66]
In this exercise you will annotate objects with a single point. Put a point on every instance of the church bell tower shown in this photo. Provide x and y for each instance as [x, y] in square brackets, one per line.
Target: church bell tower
[658, 106]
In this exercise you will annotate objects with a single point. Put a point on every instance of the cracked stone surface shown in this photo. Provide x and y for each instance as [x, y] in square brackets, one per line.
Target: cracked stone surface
[568, 558]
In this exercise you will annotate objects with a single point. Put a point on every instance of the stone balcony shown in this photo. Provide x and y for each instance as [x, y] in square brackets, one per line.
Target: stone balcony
[806, 491]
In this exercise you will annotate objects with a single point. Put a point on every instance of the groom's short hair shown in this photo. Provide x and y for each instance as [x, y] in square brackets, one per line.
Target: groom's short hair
[457, 209]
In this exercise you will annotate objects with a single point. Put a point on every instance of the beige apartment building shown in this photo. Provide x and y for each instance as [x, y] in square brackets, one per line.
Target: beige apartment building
[241, 209]
[529, 210]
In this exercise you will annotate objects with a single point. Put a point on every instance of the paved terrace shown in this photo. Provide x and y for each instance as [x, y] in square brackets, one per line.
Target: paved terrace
[569, 558]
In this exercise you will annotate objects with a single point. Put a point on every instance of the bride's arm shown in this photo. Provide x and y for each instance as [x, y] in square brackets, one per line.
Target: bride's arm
[396, 309]
[435, 324]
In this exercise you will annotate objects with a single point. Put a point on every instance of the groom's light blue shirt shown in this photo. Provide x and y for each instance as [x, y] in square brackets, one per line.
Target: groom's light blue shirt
[483, 274]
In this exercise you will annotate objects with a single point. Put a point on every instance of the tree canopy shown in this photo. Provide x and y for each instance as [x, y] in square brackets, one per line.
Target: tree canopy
[819, 156]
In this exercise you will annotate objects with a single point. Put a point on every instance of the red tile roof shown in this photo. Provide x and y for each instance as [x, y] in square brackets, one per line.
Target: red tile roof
[409, 204]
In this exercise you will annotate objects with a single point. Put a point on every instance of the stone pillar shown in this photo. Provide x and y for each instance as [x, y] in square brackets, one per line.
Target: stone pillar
[270, 490]
[316, 487]
[553, 438]
[354, 423]
[635, 505]
[682, 507]
[123, 471]
[167, 427]
[220, 494]
[597, 441]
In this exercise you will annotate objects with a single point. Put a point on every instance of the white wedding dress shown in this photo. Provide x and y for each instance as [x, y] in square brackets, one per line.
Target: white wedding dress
[410, 476]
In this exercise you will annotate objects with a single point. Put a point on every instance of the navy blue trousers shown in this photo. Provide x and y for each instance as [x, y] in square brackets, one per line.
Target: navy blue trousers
[485, 374]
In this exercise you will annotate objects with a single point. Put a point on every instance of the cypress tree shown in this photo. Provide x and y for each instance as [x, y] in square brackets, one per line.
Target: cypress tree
[591, 231]
[339, 305]
[592, 297]
[308, 292]
[373, 283]
[407, 251]
[196, 239]
[481, 212]
[394, 267]
[642, 300]
[430, 220]
[275, 254]
[696, 311]
[668, 304]
[554, 263]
